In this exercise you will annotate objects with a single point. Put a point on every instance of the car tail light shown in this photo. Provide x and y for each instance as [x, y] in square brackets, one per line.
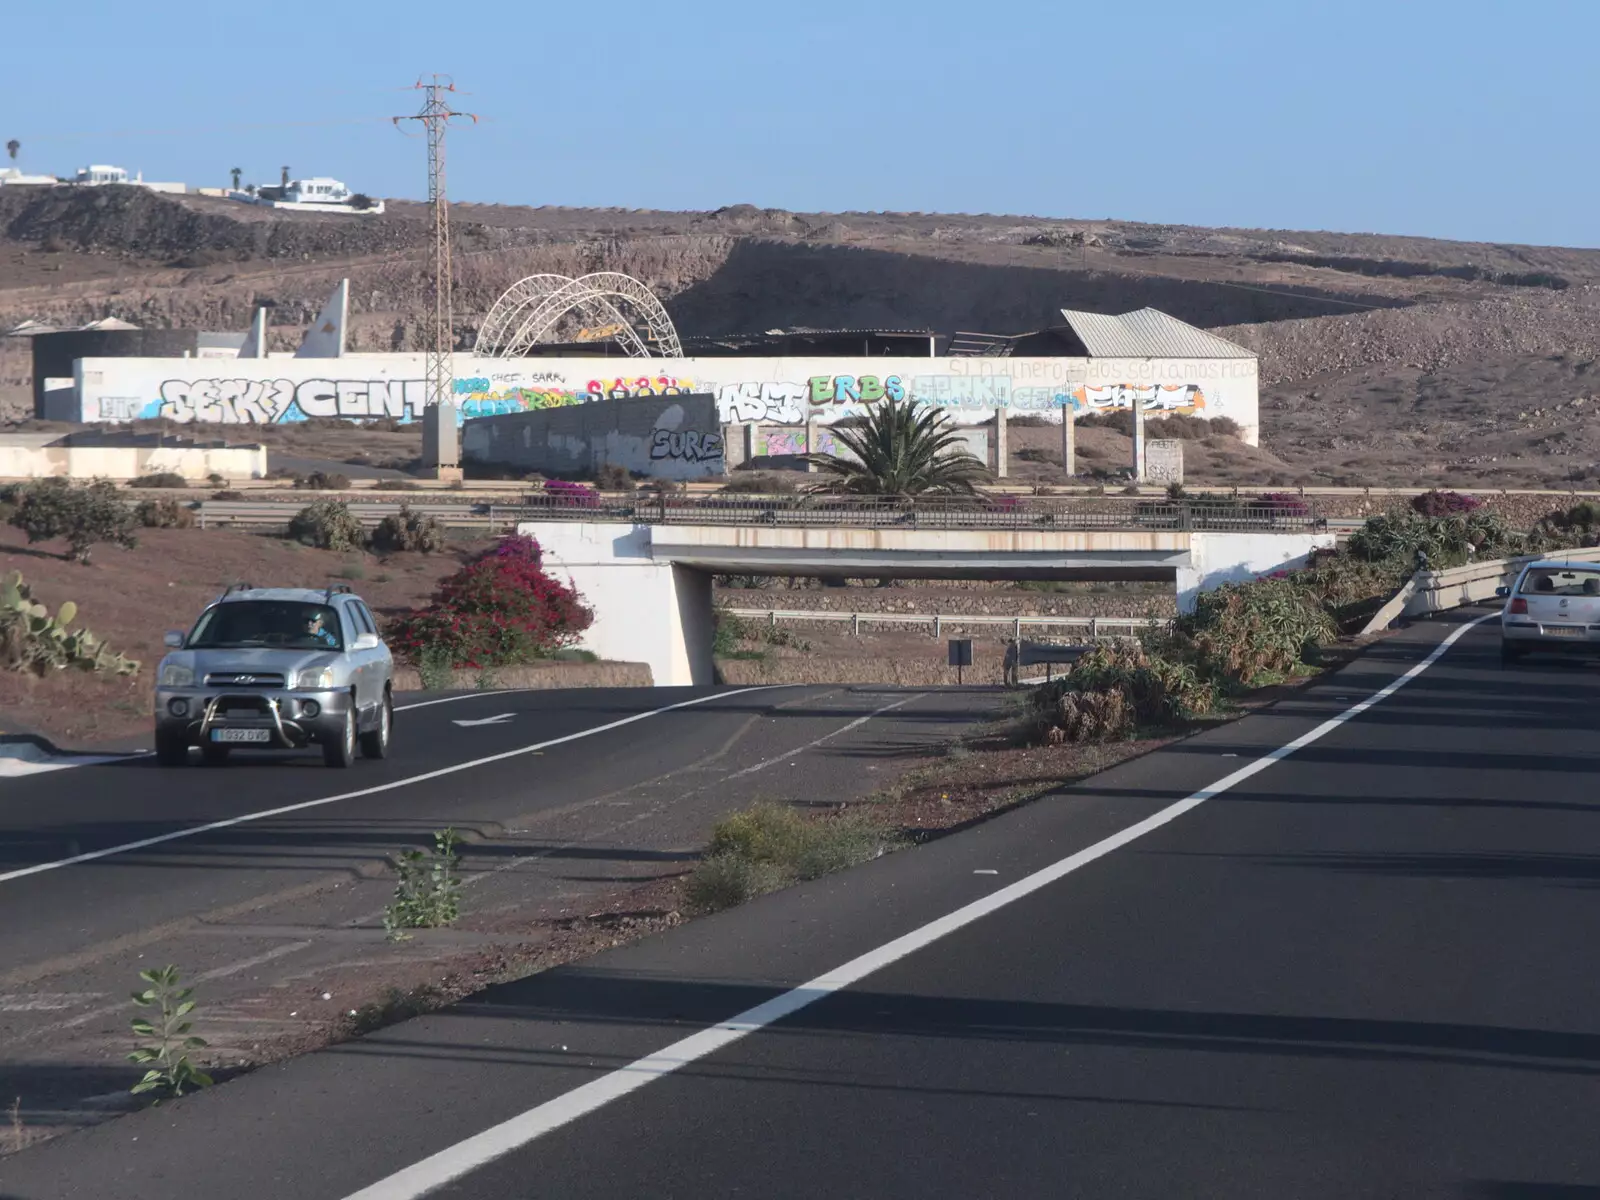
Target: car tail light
[1518, 605]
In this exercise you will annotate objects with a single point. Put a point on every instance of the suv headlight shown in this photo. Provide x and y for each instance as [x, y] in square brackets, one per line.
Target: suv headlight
[316, 678]
[175, 676]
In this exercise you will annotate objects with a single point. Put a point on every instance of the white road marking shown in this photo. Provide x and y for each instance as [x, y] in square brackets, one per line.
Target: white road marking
[212, 826]
[469, 696]
[468, 722]
[17, 1002]
[467, 1156]
[856, 724]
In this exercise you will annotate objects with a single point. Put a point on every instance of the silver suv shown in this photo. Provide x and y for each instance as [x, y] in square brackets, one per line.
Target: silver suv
[276, 668]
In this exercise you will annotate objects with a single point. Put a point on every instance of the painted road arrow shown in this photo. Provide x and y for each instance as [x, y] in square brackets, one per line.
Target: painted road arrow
[500, 720]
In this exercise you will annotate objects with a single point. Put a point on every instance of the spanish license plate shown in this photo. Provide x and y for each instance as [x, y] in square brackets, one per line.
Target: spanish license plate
[1564, 631]
[241, 735]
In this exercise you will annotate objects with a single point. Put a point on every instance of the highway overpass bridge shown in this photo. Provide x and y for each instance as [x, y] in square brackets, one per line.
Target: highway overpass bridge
[648, 576]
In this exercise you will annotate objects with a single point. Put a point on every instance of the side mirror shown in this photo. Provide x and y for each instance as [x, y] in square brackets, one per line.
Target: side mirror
[174, 639]
[366, 641]
[1502, 592]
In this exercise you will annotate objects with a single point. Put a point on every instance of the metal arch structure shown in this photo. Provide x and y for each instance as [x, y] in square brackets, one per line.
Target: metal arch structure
[529, 309]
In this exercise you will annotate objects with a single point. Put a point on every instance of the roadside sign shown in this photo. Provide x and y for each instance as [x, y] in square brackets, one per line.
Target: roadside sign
[960, 655]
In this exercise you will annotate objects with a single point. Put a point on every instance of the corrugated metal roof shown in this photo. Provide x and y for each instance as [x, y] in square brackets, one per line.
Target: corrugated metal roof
[1148, 333]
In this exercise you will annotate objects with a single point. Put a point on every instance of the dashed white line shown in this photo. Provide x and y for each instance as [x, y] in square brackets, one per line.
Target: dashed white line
[856, 724]
[245, 818]
[465, 1157]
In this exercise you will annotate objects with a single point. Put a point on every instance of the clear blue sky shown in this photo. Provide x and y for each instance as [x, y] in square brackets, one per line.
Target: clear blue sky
[1448, 118]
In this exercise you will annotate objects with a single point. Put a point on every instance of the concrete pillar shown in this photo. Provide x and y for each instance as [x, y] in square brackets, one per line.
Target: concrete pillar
[1002, 455]
[1138, 442]
[752, 439]
[813, 443]
[1069, 439]
[441, 447]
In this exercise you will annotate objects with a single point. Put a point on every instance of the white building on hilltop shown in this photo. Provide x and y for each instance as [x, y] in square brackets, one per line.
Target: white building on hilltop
[318, 193]
[103, 175]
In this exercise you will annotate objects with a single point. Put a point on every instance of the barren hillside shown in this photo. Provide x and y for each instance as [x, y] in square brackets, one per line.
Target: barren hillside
[1383, 357]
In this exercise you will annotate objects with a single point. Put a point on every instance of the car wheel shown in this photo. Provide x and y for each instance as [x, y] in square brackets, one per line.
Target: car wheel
[342, 751]
[171, 751]
[376, 743]
[213, 755]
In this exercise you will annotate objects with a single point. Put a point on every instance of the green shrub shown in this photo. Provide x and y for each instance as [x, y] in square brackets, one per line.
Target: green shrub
[162, 479]
[328, 525]
[408, 531]
[1241, 631]
[769, 846]
[164, 514]
[1113, 690]
[1397, 535]
[612, 477]
[323, 481]
[729, 630]
[84, 516]
[33, 641]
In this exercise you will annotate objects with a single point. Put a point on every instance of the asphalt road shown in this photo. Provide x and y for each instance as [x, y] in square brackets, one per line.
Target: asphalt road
[1365, 970]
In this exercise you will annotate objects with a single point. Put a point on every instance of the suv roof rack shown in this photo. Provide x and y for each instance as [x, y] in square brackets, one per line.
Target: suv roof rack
[236, 587]
[337, 589]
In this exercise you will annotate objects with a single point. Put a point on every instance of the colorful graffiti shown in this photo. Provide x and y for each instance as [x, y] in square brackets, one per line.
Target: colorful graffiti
[787, 442]
[777, 403]
[1151, 397]
[641, 385]
[853, 389]
[267, 401]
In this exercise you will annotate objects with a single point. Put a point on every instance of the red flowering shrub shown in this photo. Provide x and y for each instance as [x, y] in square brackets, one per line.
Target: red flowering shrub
[1287, 504]
[577, 495]
[501, 609]
[1444, 504]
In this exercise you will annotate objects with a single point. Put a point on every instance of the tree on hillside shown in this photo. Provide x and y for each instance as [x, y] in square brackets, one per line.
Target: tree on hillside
[236, 172]
[901, 450]
[13, 148]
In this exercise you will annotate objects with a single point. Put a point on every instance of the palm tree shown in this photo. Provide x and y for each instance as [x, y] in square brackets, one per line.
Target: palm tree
[236, 172]
[901, 451]
[13, 148]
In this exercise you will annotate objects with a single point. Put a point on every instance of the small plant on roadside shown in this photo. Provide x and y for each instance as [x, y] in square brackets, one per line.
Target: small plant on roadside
[166, 1056]
[164, 514]
[161, 479]
[323, 481]
[327, 525]
[434, 669]
[82, 515]
[613, 477]
[768, 846]
[408, 531]
[1444, 504]
[427, 893]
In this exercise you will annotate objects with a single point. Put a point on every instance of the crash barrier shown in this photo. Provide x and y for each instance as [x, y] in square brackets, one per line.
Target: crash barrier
[1428, 592]
[1095, 627]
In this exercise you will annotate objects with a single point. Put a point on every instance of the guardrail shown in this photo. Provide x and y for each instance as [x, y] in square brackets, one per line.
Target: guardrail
[924, 512]
[276, 514]
[1428, 592]
[1097, 627]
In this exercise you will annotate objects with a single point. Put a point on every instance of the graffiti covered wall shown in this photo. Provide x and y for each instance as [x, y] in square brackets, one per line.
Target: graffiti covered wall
[773, 391]
[660, 437]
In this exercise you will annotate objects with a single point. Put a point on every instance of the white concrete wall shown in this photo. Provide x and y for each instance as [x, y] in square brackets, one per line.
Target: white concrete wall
[1219, 558]
[774, 391]
[644, 611]
[130, 462]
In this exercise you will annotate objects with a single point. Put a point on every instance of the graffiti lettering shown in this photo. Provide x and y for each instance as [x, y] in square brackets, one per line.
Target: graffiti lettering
[784, 442]
[947, 391]
[849, 389]
[227, 401]
[1151, 397]
[779, 403]
[643, 385]
[689, 445]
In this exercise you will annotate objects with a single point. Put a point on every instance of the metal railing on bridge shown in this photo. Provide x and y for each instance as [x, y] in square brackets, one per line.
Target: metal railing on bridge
[1093, 628]
[1039, 513]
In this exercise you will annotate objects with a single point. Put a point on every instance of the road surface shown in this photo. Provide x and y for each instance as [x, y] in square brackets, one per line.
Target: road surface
[1365, 968]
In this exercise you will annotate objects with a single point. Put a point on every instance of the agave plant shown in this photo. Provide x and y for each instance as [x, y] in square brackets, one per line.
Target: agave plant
[901, 450]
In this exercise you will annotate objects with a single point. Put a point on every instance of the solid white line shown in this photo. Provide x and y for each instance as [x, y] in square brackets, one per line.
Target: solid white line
[856, 724]
[211, 826]
[475, 1152]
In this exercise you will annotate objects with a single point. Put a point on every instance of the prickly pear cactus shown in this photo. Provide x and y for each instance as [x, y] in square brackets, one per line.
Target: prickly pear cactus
[34, 641]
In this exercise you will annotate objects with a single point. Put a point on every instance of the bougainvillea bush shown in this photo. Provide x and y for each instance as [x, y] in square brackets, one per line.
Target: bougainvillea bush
[501, 609]
[1444, 504]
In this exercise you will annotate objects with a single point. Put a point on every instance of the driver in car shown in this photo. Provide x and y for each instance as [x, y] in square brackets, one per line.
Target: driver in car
[317, 631]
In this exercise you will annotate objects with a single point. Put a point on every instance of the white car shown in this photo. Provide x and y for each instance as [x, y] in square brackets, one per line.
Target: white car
[1553, 606]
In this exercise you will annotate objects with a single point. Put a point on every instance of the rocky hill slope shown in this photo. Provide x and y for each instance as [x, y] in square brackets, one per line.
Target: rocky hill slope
[1381, 355]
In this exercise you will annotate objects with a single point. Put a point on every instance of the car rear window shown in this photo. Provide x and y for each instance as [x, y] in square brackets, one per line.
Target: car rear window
[1560, 581]
[268, 624]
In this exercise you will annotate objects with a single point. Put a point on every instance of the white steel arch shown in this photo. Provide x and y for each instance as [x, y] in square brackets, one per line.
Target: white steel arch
[529, 309]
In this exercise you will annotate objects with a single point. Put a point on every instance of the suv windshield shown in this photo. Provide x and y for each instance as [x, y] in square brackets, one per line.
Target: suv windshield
[285, 624]
[1555, 581]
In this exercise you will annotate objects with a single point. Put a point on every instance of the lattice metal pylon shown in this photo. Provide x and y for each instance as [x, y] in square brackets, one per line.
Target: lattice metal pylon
[435, 119]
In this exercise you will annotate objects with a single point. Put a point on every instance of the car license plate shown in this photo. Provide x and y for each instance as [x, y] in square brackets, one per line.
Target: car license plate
[241, 735]
[1564, 631]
